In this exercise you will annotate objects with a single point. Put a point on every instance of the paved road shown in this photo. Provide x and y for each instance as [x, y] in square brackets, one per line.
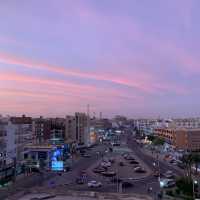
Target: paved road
[164, 166]
[140, 186]
[81, 164]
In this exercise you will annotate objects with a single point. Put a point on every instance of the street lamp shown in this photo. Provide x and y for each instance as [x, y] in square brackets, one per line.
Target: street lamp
[194, 183]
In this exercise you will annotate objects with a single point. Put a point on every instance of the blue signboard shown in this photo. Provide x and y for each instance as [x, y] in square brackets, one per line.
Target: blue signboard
[57, 165]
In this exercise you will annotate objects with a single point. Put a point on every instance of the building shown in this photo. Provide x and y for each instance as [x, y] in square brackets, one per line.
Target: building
[39, 156]
[102, 124]
[41, 130]
[167, 134]
[82, 128]
[21, 128]
[3, 152]
[70, 128]
[57, 130]
[188, 123]
[182, 138]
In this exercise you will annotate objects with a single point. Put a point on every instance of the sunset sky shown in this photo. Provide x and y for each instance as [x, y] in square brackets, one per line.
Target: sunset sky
[139, 58]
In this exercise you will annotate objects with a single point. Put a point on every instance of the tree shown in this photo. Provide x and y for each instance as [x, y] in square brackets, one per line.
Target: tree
[151, 137]
[196, 160]
[187, 160]
[158, 141]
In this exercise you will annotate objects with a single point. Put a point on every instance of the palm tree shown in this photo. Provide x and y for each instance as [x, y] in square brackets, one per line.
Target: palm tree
[196, 160]
[187, 160]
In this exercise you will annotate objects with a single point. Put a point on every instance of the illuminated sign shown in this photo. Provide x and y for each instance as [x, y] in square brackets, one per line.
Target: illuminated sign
[57, 165]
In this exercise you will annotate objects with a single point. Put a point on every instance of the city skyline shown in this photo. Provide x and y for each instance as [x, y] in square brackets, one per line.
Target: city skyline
[121, 57]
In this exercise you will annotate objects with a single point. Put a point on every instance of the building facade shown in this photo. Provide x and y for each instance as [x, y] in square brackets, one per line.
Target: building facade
[189, 123]
[182, 138]
[41, 130]
[70, 128]
[22, 128]
[81, 121]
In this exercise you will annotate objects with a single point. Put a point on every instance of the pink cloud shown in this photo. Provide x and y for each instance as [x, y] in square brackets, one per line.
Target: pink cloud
[47, 81]
[63, 88]
[8, 59]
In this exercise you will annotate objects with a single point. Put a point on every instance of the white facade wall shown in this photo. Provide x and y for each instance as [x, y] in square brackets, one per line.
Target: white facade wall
[10, 141]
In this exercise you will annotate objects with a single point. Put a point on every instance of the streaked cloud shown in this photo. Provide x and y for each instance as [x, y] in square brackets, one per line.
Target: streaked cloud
[136, 58]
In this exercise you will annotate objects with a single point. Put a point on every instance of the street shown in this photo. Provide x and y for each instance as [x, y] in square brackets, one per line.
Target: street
[141, 183]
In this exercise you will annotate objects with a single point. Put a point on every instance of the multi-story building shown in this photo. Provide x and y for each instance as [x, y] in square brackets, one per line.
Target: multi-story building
[166, 133]
[181, 138]
[21, 129]
[103, 124]
[2, 144]
[41, 130]
[57, 130]
[82, 127]
[70, 128]
[188, 123]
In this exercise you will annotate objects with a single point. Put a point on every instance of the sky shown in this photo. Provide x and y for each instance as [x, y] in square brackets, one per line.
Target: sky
[137, 58]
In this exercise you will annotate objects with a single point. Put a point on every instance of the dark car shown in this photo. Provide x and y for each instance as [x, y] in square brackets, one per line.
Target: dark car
[134, 162]
[67, 168]
[139, 170]
[129, 158]
[79, 181]
[35, 169]
[121, 164]
[99, 170]
[109, 173]
[86, 155]
[127, 184]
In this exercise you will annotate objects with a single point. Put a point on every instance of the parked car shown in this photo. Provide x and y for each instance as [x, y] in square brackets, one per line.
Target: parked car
[139, 170]
[99, 170]
[127, 184]
[134, 162]
[86, 155]
[108, 173]
[171, 184]
[129, 158]
[121, 164]
[174, 162]
[94, 184]
[169, 175]
[167, 183]
[79, 181]
[106, 164]
[67, 168]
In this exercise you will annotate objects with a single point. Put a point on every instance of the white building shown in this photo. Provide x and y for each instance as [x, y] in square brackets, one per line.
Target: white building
[19, 134]
[189, 123]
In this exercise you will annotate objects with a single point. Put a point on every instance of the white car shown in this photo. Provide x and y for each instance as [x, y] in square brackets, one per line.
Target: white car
[106, 164]
[94, 184]
[169, 174]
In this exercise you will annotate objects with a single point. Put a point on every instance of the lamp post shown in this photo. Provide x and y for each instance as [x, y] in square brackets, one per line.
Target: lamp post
[194, 183]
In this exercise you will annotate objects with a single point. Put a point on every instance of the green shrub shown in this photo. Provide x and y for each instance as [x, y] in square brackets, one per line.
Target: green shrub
[170, 193]
[177, 191]
[185, 186]
[158, 141]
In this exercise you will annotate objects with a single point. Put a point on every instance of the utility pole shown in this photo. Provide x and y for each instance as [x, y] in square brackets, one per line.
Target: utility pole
[88, 122]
